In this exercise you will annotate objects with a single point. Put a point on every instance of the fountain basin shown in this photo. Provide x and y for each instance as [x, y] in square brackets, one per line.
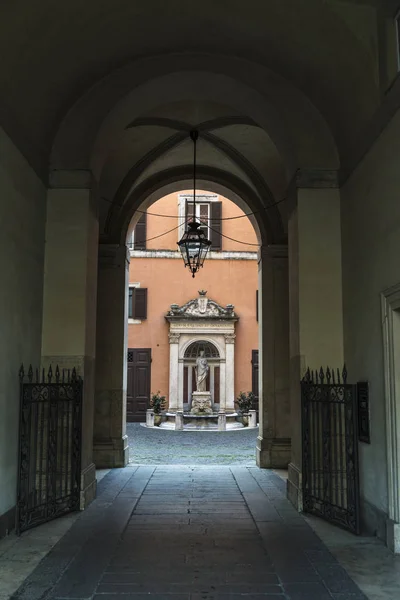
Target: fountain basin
[201, 422]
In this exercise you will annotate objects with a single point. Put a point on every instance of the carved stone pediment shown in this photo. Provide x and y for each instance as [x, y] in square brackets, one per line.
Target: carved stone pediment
[201, 308]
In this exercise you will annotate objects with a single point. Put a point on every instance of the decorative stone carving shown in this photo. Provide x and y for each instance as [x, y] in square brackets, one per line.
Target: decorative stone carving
[201, 307]
[203, 321]
[201, 403]
[174, 338]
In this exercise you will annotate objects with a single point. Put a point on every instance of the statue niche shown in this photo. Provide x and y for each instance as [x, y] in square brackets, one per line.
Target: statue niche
[201, 398]
[202, 369]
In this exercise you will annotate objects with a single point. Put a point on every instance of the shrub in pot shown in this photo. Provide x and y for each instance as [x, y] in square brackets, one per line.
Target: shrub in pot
[157, 403]
[244, 403]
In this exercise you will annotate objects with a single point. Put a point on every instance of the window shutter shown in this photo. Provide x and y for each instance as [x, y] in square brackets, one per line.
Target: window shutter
[140, 303]
[216, 224]
[130, 303]
[140, 233]
[256, 305]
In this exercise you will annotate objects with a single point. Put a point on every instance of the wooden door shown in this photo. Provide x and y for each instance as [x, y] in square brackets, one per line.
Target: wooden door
[254, 378]
[138, 385]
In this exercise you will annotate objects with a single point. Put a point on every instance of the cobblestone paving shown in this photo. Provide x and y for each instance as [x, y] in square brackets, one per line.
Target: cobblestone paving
[154, 446]
[190, 533]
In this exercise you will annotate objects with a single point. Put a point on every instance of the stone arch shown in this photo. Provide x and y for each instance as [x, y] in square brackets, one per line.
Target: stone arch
[179, 179]
[209, 348]
[207, 340]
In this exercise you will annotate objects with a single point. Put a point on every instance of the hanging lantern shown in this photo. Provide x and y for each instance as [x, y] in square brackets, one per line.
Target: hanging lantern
[194, 247]
[194, 244]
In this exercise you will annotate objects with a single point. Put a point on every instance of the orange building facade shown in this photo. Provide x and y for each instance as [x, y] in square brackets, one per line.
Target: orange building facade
[158, 279]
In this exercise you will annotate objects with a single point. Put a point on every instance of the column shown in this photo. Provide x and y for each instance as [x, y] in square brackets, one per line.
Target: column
[222, 384]
[181, 368]
[174, 371]
[315, 296]
[273, 442]
[110, 440]
[230, 372]
[212, 367]
[69, 295]
[190, 384]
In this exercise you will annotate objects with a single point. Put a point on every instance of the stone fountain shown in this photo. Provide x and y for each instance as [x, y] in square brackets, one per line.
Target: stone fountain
[202, 366]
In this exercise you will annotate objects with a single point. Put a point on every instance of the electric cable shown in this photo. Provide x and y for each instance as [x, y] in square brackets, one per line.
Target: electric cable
[211, 219]
[233, 239]
[205, 218]
[202, 221]
[165, 232]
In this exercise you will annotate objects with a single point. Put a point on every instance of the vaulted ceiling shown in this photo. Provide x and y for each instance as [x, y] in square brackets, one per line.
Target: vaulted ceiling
[115, 87]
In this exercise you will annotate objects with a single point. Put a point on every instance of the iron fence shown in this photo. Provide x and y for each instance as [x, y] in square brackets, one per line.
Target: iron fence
[50, 427]
[330, 448]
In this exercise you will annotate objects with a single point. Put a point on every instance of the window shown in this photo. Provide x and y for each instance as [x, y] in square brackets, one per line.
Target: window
[202, 215]
[137, 303]
[209, 215]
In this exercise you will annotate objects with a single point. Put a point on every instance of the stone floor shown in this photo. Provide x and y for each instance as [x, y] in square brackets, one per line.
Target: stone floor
[193, 533]
[161, 446]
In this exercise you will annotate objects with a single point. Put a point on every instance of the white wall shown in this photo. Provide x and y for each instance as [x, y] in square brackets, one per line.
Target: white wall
[371, 263]
[22, 220]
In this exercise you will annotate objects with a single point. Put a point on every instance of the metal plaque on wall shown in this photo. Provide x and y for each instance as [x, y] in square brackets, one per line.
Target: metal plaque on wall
[363, 412]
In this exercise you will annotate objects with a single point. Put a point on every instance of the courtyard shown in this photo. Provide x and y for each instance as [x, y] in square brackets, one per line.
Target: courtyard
[157, 446]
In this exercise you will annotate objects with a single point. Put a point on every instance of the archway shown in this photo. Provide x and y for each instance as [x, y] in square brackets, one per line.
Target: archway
[245, 356]
[136, 151]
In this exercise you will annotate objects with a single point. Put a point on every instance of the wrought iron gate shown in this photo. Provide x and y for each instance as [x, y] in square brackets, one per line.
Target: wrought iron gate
[330, 448]
[50, 427]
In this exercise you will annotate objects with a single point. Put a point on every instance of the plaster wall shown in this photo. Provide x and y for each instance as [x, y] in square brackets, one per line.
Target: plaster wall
[371, 250]
[315, 301]
[226, 281]
[320, 285]
[22, 218]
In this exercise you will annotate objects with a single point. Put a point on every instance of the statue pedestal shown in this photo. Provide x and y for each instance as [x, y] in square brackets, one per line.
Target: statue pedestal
[201, 403]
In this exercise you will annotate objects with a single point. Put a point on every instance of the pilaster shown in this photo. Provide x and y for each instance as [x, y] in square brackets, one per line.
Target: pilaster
[174, 371]
[230, 372]
[273, 442]
[315, 296]
[110, 442]
[69, 295]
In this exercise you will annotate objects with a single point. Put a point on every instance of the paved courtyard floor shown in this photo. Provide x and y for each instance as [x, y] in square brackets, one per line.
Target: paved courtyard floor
[195, 533]
[193, 518]
[158, 446]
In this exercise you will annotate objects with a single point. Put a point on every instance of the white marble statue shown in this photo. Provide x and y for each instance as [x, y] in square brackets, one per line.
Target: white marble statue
[202, 369]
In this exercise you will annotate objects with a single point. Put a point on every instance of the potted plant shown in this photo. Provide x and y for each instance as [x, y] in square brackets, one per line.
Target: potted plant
[157, 403]
[244, 402]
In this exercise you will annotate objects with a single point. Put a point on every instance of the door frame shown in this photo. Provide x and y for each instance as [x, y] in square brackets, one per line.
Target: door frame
[390, 305]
